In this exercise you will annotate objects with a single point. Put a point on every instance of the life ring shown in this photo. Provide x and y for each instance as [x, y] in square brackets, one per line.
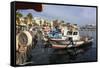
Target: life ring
[25, 38]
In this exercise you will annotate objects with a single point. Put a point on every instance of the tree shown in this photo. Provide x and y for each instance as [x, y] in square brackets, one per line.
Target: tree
[25, 20]
[18, 16]
[30, 17]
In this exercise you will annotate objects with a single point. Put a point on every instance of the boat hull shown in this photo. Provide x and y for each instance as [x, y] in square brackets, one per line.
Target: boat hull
[78, 44]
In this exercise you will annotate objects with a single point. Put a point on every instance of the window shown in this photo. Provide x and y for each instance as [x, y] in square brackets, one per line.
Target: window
[75, 33]
[69, 33]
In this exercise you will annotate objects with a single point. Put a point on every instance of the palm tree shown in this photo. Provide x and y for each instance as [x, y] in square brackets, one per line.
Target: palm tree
[29, 16]
[25, 20]
[18, 16]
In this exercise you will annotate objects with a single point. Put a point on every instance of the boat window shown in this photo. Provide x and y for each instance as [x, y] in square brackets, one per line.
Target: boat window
[75, 33]
[69, 33]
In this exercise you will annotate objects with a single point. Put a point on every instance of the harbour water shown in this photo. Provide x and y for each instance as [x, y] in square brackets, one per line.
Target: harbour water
[41, 55]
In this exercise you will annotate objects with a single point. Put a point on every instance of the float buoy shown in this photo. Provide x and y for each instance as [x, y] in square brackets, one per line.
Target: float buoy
[25, 38]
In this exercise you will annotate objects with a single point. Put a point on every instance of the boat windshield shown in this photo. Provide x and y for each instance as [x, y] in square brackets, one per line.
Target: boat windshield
[75, 33]
[72, 33]
[69, 33]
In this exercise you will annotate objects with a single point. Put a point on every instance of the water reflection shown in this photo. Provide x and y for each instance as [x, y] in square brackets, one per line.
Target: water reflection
[68, 55]
[56, 56]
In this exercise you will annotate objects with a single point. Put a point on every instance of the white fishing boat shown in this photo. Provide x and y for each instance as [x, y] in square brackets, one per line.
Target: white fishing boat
[71, 39]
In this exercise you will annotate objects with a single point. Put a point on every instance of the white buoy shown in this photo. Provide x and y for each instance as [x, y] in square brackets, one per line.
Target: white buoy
[25, 38]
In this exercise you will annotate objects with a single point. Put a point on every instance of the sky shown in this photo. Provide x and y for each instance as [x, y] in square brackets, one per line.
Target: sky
[72, 14]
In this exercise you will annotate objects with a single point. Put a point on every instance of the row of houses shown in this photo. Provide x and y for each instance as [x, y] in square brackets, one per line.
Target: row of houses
[48, 25]
[43, 22]
[88, 27]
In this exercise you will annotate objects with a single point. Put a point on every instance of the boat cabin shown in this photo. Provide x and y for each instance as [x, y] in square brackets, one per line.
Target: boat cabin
[73, 34]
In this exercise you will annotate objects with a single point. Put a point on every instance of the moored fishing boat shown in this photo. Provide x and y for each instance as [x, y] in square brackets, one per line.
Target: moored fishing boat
[67, 44]
[70, 39]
